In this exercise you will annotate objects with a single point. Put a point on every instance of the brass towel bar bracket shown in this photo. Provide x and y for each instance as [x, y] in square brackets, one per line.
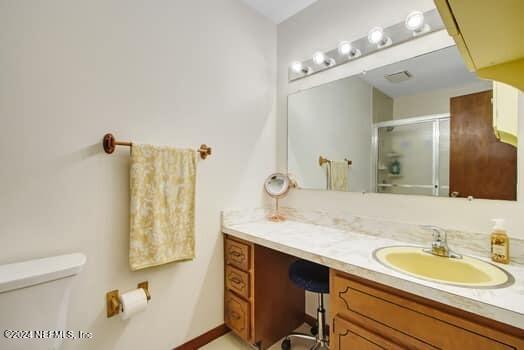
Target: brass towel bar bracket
[114, 305]
[322, 161]
[109, 142]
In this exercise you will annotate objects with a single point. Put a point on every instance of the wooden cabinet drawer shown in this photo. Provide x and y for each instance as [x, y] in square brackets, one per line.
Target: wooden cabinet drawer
[237, 254]
[350, 336]
[405, 316]
[238, 281]
[237, 315]
[375, 328]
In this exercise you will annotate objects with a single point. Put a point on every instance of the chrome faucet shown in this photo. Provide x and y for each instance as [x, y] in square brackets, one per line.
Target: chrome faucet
[439, 246]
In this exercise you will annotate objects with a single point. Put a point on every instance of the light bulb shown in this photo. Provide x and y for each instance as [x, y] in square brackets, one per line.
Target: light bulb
[296, 67]
[415, 21]
[376, 35]
[344, 48]
[319, 58]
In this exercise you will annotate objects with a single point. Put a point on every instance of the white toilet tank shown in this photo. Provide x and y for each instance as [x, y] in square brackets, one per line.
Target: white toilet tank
[34, 298]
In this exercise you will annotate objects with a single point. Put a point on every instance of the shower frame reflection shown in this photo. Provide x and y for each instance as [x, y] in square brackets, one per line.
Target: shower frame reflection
[435, 121]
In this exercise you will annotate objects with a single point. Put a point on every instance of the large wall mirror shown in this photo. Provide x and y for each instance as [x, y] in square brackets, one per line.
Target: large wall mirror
[423, 126]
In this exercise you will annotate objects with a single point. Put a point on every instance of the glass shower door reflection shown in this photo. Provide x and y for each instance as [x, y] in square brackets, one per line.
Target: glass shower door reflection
[406, 158]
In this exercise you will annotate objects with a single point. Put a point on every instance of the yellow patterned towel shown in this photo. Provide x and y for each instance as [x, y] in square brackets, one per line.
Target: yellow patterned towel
[162, 207]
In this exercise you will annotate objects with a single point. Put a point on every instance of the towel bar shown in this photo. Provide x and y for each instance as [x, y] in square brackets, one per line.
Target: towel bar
[109, 142]
[322, 161]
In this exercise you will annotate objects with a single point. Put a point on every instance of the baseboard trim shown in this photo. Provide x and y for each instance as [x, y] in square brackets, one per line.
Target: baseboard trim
[204, 339]
[219, 331]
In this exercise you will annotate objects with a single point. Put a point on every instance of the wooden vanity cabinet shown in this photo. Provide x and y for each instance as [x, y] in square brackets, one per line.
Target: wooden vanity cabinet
[261, 305]
[367, 315]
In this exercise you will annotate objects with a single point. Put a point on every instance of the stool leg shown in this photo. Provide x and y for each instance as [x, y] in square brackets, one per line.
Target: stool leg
[321, 316]
[286, 343]
[315, 347]
[322, 338]
[300, 336]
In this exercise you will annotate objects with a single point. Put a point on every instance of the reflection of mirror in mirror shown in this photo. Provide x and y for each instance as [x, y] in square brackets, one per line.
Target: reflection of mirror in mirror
[423, 126]
[277, 185]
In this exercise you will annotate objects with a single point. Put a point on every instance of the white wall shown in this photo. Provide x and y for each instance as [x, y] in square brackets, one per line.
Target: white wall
[433, 102]
[382, 106]
[166, 72]
[320, 27]
[332, 120]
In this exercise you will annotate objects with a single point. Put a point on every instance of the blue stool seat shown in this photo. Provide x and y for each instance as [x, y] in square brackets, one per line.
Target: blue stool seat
[310, 276]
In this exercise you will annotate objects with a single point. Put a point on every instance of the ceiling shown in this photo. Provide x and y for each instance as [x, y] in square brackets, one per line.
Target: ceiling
[279, 10]
[436, 70]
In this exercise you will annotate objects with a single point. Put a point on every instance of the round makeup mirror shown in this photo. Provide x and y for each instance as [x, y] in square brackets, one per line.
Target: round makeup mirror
[277, 186]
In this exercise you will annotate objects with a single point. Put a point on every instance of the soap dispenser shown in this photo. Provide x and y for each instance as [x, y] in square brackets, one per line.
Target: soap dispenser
[499, 242]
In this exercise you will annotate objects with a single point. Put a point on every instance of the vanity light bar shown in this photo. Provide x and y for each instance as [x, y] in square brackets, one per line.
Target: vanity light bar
[417, 24]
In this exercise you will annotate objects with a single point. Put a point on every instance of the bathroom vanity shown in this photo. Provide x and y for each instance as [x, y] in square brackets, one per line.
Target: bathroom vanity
[370, 306]
[413, 122]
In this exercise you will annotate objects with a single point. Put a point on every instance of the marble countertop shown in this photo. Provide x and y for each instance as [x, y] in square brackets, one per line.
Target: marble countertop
[352, 252]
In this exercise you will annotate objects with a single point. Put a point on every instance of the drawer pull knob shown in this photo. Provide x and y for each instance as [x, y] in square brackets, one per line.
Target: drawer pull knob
[235, 315]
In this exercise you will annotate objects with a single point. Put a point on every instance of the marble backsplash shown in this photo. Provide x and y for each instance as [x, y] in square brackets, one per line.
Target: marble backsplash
[473, 243]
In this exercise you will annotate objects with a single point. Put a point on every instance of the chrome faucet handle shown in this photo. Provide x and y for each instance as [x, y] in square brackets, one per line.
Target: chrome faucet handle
[439, 234]
[439, 246]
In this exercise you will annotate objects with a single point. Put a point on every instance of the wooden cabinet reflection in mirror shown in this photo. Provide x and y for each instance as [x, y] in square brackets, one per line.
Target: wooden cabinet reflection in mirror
[423, 126]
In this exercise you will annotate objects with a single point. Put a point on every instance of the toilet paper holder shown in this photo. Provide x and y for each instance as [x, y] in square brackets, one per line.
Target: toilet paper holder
[114, 306]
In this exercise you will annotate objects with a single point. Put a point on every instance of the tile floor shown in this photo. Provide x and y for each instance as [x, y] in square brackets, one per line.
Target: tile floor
[232, 342]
